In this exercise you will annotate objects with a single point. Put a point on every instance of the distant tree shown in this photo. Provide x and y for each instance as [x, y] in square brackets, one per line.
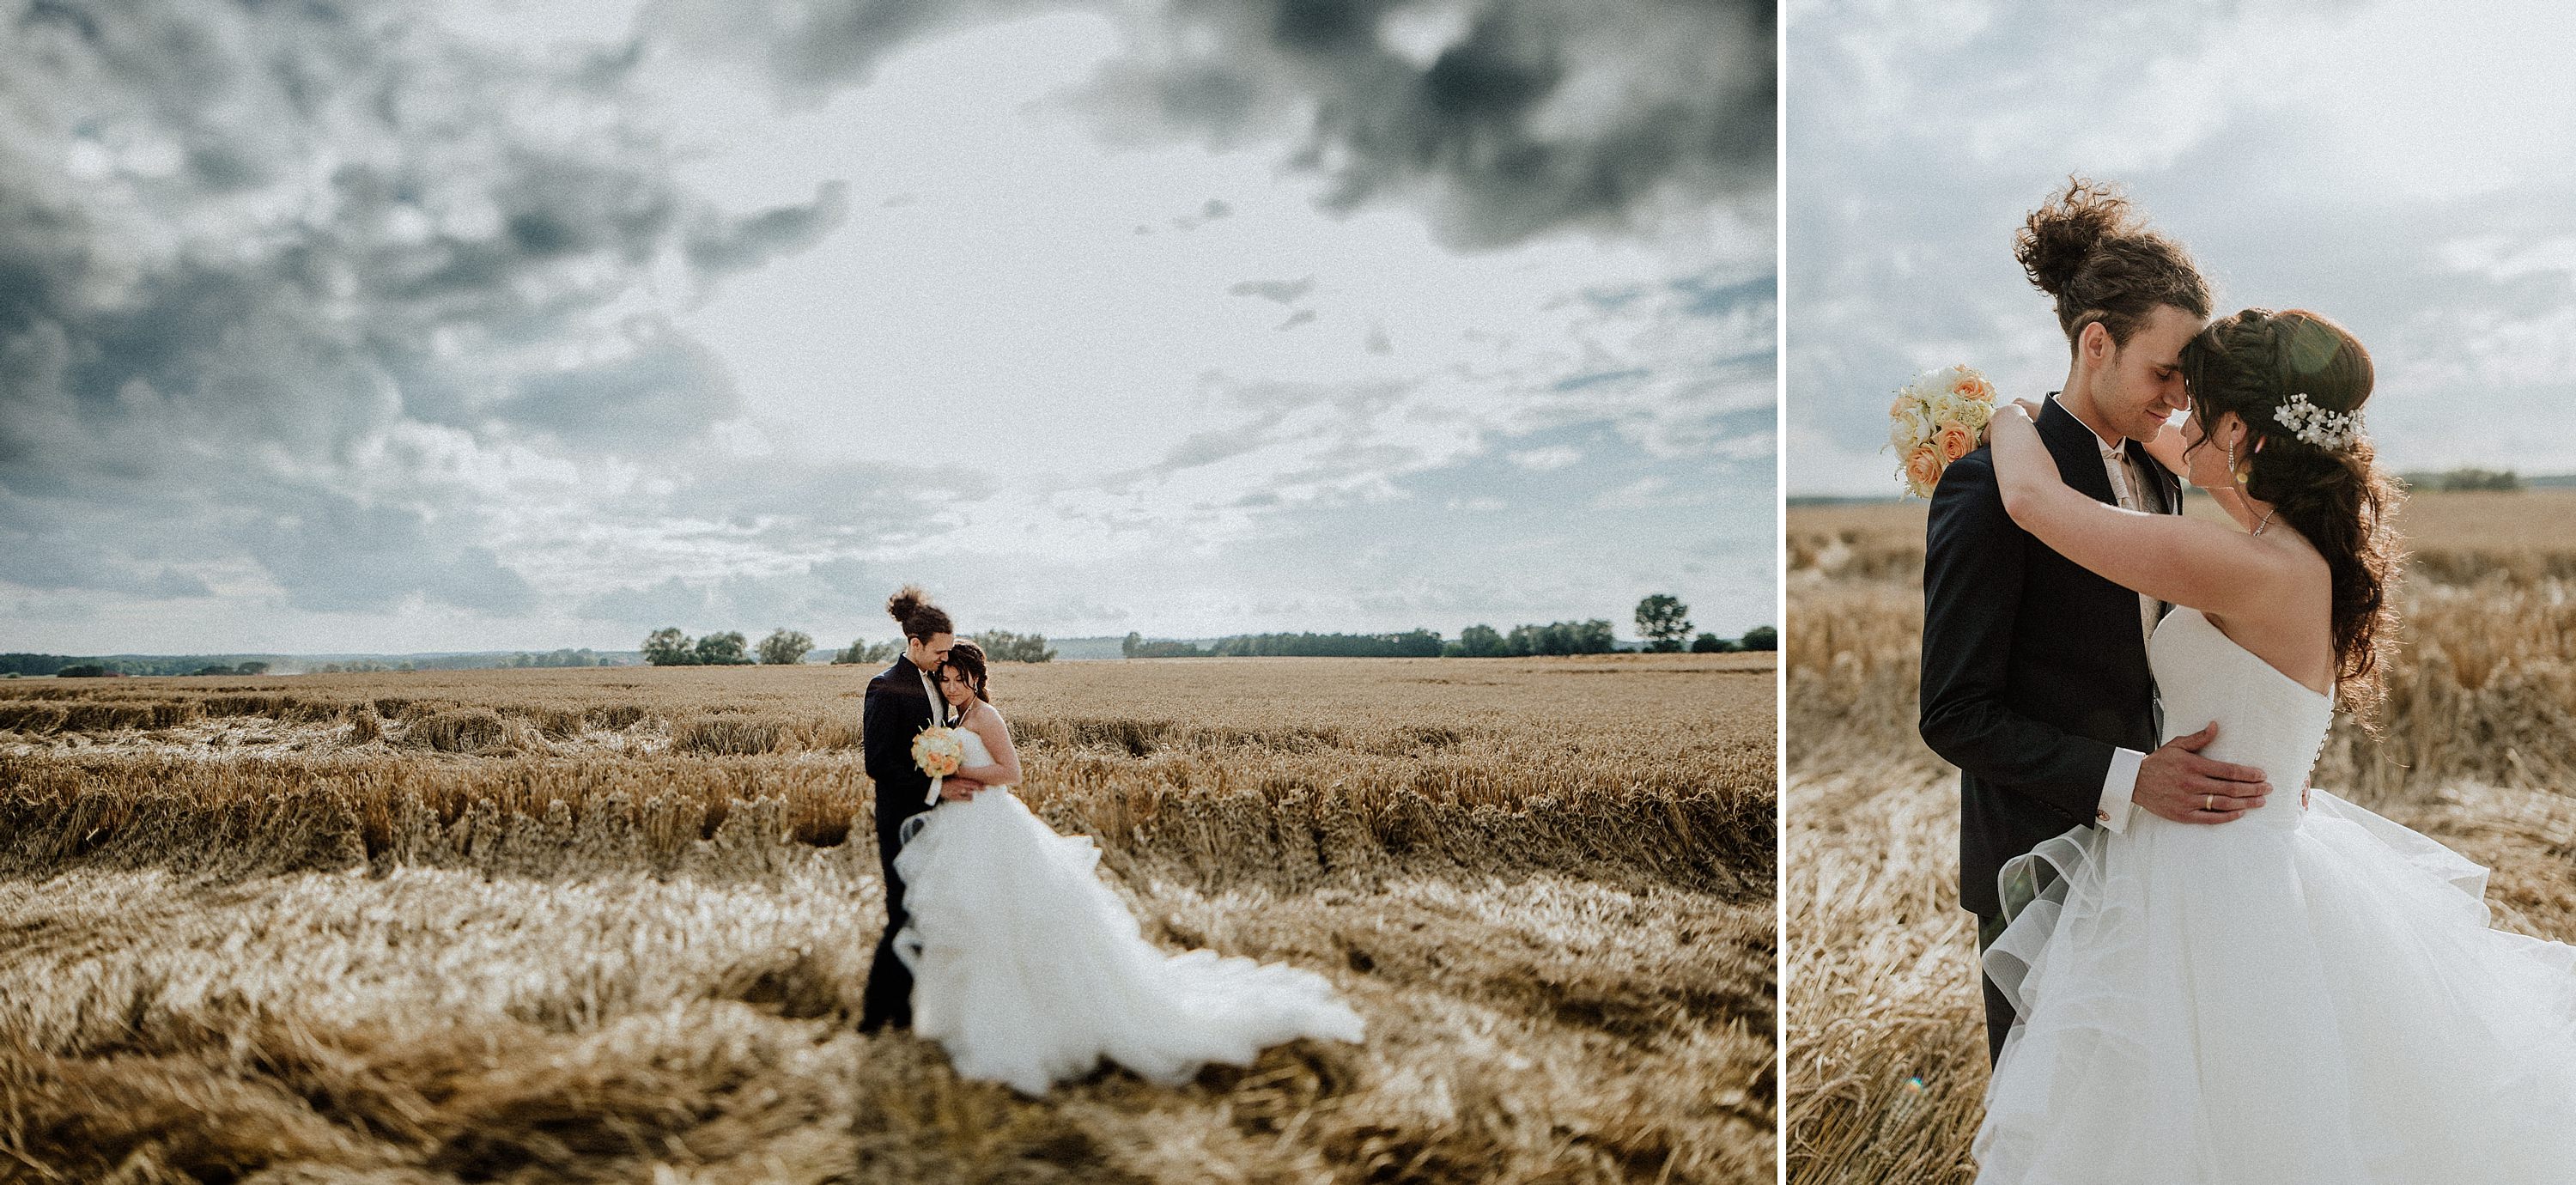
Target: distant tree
[2495, 480]
[785, 647]
[668, 647]
[1664, 622]
[1712, 644]
[84, 670]
[722, 650]
[1480, 641]
[1561, 637]
[1761, 637]
[1136, 646]
[863, 651]
[1005, 646]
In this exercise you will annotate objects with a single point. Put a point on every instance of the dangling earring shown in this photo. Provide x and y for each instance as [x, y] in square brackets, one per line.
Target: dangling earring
[2241, 477]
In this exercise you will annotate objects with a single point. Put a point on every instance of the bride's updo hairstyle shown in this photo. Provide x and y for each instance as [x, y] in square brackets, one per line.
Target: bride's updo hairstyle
[2087, 249]
[968, 658]
[911, 608]
[2253, 363]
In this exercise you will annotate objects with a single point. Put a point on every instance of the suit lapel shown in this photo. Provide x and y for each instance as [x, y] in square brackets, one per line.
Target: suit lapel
[2078, 451]
[913, 676]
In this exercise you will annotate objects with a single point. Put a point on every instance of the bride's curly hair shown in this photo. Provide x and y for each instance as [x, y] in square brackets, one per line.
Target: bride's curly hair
[2088, 249]
[968, 658]
[2251, 363]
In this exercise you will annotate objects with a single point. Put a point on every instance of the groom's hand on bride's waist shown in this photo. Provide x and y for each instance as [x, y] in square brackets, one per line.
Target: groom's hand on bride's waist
[959, 789]
[2175, 782]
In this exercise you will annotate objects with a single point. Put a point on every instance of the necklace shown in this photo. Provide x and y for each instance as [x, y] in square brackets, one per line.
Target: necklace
[2267, 519]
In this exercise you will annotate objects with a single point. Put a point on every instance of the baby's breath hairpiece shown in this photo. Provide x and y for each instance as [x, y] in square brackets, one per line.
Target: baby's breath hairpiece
[2332, 431]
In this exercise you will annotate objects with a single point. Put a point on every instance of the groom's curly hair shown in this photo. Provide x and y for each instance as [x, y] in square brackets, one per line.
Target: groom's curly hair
[911, 608]
[2251, 363]
[2087, 248]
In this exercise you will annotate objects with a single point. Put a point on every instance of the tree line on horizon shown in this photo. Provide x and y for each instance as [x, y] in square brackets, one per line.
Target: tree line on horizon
[668, 647]
[1663, 621]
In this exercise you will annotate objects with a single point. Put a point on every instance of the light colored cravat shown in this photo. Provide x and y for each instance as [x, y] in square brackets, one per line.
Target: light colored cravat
[938, 702]
[2126, 487]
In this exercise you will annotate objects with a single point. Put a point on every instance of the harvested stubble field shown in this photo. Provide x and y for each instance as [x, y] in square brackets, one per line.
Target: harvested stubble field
[1886, 1052]
[607, 925]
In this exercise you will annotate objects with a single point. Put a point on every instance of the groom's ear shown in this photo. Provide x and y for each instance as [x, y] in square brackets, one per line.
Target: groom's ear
[2094, 342]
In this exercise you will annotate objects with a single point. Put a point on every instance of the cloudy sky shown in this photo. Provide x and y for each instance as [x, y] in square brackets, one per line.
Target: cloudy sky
[509, 324]
[2399, 166]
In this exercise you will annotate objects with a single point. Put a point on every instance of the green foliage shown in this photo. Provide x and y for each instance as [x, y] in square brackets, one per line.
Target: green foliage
[1135, 646]
[86, 670]
[1712, 644]
[584, 657]
[1561, 637]
[1761, 637]
[668, 647]
[1005, 646]
[247, 668]
[1480, 641]
[1664, 622]
[722, 650]
[2493, 480]
[785, 647]
[862, 651]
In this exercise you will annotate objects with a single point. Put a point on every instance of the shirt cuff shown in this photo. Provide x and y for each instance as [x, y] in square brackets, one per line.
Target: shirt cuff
[2117, 786]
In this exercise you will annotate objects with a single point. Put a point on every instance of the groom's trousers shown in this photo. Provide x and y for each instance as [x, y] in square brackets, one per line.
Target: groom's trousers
[888, 999]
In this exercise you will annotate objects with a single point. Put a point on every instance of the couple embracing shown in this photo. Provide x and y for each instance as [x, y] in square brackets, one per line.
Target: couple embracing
[2197, 968]
[1001, 943]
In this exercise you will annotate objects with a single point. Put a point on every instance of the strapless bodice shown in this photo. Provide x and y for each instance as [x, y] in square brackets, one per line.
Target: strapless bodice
[2266, 719]
[976, 751]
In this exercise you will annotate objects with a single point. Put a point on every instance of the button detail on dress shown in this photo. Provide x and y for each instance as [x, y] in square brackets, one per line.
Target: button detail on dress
[2101, 816]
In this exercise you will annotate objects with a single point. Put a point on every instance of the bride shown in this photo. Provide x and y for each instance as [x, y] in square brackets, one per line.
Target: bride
[2311, 992]
[1030, 970]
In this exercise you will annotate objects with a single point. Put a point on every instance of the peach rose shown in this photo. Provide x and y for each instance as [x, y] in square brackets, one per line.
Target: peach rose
[1976, 388]
[1955, 442]
[1923, 468]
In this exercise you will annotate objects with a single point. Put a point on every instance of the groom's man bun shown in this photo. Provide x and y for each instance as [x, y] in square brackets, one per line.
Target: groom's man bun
[2089, 249]
[911, 608]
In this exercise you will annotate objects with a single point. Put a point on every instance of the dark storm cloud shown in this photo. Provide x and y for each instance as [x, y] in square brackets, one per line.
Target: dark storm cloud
[1534, 115]
[241, 244]
[1524, 117]
[1281, 291]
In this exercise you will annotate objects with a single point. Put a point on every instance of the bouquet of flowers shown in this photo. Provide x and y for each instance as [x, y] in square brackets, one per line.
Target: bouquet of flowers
[1935, 420]
[939, 753]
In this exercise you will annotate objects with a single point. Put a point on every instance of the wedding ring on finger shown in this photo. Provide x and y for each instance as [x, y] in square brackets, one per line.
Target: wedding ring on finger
[2209, 802]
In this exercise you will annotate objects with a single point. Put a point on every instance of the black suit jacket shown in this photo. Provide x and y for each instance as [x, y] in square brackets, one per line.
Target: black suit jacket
[895, 711]
[2034, 669]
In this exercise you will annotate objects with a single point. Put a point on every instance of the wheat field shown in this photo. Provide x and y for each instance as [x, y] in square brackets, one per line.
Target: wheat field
[1885, 1057]
[606, 924]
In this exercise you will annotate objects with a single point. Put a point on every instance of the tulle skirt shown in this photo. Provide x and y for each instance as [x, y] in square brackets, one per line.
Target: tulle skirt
[2267, 1004]
[1029, 970]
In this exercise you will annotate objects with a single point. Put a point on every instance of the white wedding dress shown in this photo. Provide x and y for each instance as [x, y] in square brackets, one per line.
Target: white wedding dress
[1030, 970]
[2306, 994]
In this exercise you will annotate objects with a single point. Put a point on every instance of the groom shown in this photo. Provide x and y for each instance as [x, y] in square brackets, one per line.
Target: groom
[902, 700]
[2035, 679]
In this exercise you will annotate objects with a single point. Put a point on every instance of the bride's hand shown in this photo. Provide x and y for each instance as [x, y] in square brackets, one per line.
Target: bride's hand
[2021, 409]
[959, 789]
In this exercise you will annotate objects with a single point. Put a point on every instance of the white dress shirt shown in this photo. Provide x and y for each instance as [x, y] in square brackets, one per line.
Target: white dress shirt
[2120, 782]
